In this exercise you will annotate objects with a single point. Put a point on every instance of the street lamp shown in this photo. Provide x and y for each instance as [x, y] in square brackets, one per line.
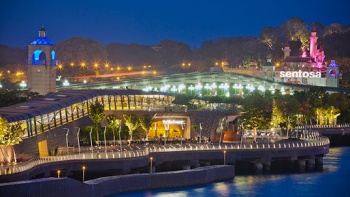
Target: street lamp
[224, 157]
[84, 168]
[151, 168]
[120, 140]
[67, 140]
[58, 173]
[200, 133]
[78, 139]
[92, 150]
[242, 131]
[23, 84]
[104, 135]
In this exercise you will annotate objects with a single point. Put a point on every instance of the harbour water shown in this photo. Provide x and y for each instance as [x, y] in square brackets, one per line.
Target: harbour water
[334, 180]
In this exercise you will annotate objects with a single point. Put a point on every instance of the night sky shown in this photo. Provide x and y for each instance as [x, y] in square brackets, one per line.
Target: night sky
[150, 21]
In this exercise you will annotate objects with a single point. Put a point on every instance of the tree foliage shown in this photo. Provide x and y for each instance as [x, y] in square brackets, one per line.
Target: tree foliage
[146, 123]
[132, 122]
[80, 49]
[11, 97]
[96, 112]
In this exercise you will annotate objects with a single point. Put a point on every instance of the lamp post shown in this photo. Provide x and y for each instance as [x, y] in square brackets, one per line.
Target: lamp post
[67, 140]
[92, 150]
[242, 131]
[200, 132]
[120, 140]
[182, 131]
[58, 173]
[104, 135]
[224, 157]
[151, 168]
[78, 139]
[167, 128]
[83, 173]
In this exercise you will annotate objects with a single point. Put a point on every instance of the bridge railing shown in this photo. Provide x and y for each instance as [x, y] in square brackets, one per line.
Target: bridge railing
[313, 141]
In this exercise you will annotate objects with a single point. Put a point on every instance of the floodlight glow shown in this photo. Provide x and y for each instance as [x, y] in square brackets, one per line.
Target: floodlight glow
[250, 87]
[181, 87]
[261, 88]
[174, 89]
[198, 86]
[66, 83]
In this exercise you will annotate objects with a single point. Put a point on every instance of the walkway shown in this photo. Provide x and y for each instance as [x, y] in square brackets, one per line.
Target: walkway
[140, 150]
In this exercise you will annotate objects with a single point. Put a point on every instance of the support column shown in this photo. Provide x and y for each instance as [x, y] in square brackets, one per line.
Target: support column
[310, 164]
[319, 163]
[267, 166]
[301, 165]
[258, 167]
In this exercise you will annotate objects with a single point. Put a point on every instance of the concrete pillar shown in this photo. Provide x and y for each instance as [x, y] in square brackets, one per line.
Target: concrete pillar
[319, 163]
[258, 167]
[301, 165]
[267, 166]
[310, 164]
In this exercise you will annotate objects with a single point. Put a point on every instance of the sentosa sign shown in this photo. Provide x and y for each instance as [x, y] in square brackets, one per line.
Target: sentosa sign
[300, 74]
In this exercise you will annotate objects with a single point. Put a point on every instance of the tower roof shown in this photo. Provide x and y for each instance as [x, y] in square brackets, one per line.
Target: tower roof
[268, 62]
[42, 41]
[332, 64]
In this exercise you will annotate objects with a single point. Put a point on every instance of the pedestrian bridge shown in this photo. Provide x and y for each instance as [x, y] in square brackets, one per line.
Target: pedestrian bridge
[306, 151]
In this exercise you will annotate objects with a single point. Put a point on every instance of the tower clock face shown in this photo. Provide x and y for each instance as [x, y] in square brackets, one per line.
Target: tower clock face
[332, 73]
[268, 72]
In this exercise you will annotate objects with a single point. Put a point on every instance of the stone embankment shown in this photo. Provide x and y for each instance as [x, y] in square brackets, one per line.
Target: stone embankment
[116, 184]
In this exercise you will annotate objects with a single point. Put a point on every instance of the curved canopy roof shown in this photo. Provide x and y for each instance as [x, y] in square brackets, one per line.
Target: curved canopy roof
[59, 100]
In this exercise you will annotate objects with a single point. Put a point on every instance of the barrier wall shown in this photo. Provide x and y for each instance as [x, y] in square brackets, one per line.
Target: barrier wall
[116, 184]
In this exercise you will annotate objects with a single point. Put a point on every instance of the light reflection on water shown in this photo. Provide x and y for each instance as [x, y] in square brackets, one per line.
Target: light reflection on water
[332, 181]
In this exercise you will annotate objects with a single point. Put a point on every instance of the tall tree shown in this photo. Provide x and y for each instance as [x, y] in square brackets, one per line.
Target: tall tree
[295, 29]
[132, 122]
[257, 114]
[114, 122]
[271, 36]
[146, 123]
[10, 134]
[96, 115]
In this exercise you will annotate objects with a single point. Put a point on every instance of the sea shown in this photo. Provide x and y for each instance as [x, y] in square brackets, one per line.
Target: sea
[333, 180]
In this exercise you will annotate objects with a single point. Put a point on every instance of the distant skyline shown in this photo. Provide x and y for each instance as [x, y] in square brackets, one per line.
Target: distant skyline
[149, 22]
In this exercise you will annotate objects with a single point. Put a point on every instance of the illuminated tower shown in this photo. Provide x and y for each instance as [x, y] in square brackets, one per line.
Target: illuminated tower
[268, 70]
[332, 75]
[286, 50]
[41, 64]
[313, 44]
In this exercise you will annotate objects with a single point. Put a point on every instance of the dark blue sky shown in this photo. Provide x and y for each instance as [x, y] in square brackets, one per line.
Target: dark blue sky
[150, 21]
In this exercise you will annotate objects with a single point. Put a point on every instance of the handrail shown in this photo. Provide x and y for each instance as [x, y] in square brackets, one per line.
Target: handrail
[312, 141]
